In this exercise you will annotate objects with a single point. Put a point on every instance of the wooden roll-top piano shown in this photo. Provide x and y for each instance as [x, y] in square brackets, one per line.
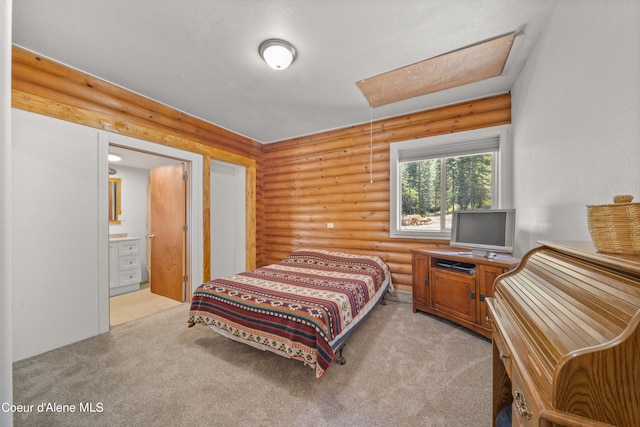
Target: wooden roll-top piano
[566, 338]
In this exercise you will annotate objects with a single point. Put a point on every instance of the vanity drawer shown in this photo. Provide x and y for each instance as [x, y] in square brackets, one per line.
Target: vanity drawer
[129, 262]
[129, 277]
[129, 247]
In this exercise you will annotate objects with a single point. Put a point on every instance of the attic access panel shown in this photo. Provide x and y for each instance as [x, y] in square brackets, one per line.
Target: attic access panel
[456, 68]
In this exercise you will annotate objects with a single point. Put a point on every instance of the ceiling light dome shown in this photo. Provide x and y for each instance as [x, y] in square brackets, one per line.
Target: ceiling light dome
[278, 54]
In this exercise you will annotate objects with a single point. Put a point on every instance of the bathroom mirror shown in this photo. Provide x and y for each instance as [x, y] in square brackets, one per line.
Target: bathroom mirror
[114, 200]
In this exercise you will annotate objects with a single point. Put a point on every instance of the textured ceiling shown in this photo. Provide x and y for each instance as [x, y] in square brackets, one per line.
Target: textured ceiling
[201, 56]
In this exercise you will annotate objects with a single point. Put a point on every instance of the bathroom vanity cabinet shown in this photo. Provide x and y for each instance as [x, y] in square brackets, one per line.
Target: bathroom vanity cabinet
[125, 265]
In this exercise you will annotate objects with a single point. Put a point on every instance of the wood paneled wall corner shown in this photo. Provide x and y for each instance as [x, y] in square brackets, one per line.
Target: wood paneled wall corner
[325, 178]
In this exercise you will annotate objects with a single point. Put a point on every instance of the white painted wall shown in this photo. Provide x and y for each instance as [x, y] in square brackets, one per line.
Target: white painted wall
[60, 230]
[60, 289]
[6, 347]
[228, 219]
[576, 119]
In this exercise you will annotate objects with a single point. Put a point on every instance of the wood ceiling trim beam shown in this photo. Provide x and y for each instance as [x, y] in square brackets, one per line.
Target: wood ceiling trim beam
[459, 67]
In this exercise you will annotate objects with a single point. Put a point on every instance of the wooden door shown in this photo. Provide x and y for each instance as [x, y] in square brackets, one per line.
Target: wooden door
[167, 206]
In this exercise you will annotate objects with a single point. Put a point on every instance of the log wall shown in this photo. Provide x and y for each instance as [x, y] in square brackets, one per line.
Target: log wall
[342, 177]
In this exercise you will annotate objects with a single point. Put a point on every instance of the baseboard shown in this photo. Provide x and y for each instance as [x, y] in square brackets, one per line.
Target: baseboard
[400, 296]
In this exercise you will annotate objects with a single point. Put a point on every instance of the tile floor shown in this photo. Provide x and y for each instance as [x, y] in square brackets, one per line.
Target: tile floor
[133, 305]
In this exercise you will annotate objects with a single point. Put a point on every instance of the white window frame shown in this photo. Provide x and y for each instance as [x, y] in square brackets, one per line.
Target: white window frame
[447, 146]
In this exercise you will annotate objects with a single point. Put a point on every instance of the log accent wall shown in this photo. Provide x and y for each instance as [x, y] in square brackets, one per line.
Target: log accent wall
[342, 177]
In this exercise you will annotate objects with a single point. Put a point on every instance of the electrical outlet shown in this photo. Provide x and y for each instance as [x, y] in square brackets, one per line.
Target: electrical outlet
[329, 225]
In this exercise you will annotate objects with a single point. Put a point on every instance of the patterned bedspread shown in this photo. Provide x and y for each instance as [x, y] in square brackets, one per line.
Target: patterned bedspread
[300, 307]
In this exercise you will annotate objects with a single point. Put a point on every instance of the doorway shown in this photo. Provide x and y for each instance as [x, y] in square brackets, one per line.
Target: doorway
[240, 200]
[153, 289]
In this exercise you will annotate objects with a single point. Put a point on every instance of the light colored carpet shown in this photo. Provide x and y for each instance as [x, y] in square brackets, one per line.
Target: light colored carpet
[402, 369]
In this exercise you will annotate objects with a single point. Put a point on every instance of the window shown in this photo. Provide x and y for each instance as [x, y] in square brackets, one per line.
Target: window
[432, 177]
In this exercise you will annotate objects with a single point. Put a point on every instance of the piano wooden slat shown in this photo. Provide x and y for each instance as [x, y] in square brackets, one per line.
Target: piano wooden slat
[568, 319]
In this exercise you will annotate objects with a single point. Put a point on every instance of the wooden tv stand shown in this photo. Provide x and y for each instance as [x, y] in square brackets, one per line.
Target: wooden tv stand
[566, 340]
[454, 285]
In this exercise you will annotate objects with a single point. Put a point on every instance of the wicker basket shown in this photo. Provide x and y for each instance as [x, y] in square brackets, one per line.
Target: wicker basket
[615, 228]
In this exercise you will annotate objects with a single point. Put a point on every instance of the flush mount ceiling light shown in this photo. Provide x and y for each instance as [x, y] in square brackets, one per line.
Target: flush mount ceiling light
[278, 54]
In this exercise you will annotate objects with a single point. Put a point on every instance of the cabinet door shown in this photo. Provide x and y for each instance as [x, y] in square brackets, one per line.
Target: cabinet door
[486, 276]
[454, 293]
[420, 282]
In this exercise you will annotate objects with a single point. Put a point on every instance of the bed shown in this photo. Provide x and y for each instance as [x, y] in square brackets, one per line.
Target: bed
[302, 308]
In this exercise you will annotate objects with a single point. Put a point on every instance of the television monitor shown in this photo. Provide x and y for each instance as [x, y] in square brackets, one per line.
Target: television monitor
[484, 231]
